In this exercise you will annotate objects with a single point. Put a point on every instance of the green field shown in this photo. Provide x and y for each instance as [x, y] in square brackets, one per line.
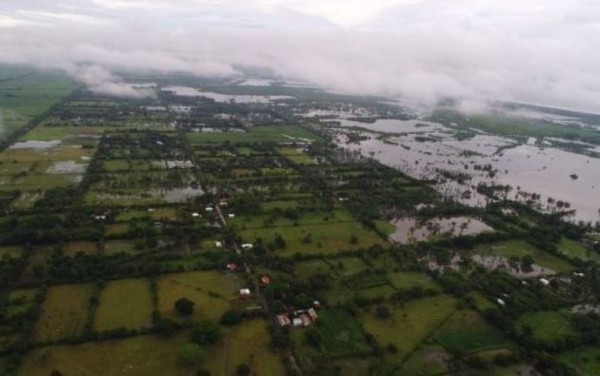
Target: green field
[26, 94]
[139, 356]
[575, 249]
[425, 361]
[125, 303]
[547, 326]
[262, 133]
[10, 252]
[72, 248]
[340, 334]
[466, 333]
[520, 248]
[584, 361]
[41, 133]
[247, 343]
[306, 269]
[326, 238]
[411, 324]
[212, 292]
[407, 280]
[64, 312]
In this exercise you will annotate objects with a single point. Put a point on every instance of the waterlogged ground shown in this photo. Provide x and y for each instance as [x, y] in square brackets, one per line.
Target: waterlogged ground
[185, 91]
[409, 230]
[526, 167]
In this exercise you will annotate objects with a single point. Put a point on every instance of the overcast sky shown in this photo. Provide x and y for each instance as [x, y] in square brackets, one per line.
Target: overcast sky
[537, 51]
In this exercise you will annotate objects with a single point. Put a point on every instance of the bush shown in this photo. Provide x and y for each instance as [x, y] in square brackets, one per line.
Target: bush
[383, 312]
[231, 317]
[190, 353]
[184, 307]
[206, 332]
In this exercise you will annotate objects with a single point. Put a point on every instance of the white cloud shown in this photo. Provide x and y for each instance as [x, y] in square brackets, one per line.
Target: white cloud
[542, 51]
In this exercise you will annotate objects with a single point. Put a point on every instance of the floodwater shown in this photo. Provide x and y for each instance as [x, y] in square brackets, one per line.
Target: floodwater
[528, 168]
[180, 194]
[168, 164]
[185, 91]
[67, 167]
[394, 125]
[39, 145]
[409, 230]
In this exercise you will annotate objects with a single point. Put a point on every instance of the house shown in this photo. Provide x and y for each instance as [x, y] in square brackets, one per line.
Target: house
[209, 208]
[306, 321]
[231, 215]
[317, 304]
[544, 281]
[283, 320]
[231, 267]
[501, 302]
[297, 322]
[218, 244]
[312, 314]
[195, 215]
[245, 292]
[265, 280]
[247, 246]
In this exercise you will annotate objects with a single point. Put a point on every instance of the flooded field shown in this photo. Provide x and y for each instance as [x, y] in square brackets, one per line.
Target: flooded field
[409, 230]
[185, 91]
[551, 172]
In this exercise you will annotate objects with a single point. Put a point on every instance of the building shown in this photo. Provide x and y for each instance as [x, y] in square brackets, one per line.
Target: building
[313, 314]
[245, 292]
[283, 320]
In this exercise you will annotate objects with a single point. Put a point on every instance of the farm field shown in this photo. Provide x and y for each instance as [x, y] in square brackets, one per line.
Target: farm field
[143, 355]
[518, 248]
[64, 312]
[417, 320]
[124, 304]
[466, 332]
[546, 327]
[584, 361]
[325, 238]
[213, 293]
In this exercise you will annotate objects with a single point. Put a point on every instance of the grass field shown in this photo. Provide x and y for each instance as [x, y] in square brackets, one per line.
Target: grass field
[21, 300]
[41, 133]
[585, 361]
[427, 360]
[212, 292]
[326, 238]
[546, 326]
[340, 333]
[410, 325]
[112, 247]
[407, 280]
[481, 302]
[72, 248]
[346, 266]
[139, 356]
[519, 248]
[575, 249]
[306, 269]
[384, 291]
[466, 333]
[263, 133]
[126, 303]
[25, 95]
[266, 220]
[63, 312]
[247, 343]
[10, 251]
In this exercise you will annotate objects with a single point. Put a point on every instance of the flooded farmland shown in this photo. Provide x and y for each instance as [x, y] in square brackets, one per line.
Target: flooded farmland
[410, 230]
[422, 151]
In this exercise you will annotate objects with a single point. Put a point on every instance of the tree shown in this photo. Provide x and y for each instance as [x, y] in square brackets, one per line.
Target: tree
[206, 332]
[231, 317]
[280, 242]
[184, 307]
[382, 312]
[166, 326]
[242, 370]
[190, 353]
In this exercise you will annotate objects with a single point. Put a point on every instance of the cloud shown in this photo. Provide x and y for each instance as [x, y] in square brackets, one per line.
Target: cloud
[101, 81]
[539, 51]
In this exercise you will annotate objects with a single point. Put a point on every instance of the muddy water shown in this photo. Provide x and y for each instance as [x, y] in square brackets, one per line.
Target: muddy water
[394, 125]
[223, 98]
[531, 168]
[67, 167]
[409, 230]
[39, 145]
